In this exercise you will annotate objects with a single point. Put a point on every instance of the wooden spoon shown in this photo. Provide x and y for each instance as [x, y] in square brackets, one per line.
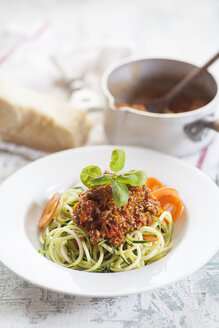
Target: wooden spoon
[158, 104]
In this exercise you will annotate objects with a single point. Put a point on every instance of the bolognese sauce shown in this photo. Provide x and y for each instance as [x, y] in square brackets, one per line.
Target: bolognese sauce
[97, 213]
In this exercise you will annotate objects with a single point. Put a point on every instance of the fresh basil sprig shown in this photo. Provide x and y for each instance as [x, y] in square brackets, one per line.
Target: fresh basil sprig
[92, 176]
[117, 160]
[88, 174]
[120, 193]
[103, 179]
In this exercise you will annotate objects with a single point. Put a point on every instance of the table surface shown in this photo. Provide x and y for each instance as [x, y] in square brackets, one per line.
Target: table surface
[184, 29]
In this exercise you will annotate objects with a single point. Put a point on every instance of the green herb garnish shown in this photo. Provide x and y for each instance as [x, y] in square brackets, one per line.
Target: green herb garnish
[88, 174]
[120, 193]
[92, 176]
[117, 160]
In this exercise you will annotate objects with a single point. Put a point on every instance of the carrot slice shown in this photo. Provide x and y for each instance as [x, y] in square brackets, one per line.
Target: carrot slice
[165, 191]
[149, 238]
[153, 184]
[82, 218]
[169, 200]
[49, 210]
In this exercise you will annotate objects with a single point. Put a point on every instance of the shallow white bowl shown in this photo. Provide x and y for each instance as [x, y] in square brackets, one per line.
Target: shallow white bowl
[25, 193]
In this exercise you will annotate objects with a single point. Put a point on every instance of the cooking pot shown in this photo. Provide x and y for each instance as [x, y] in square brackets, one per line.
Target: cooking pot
[178, 134]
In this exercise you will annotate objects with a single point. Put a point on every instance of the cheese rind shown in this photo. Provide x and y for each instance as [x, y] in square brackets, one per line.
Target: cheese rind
[31, 119]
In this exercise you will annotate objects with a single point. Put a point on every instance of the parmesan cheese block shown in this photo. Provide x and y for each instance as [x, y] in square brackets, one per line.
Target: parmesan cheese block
[37, 121]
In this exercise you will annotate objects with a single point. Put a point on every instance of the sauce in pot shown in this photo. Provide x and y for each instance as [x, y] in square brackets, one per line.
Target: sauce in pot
[192, 98]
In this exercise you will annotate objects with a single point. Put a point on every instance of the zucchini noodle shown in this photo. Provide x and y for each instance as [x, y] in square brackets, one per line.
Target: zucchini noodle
[67, 244]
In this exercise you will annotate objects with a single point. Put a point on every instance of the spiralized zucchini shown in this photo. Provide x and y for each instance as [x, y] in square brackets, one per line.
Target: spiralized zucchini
[67, 244]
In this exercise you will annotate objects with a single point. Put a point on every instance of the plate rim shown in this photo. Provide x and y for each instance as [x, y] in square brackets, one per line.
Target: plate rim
[137, 290]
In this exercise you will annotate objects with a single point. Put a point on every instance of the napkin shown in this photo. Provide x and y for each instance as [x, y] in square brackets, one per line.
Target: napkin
[32, 58]
[47, 59]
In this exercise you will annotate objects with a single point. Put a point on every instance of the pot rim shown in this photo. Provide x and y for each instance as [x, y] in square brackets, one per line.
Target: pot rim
[133, 59]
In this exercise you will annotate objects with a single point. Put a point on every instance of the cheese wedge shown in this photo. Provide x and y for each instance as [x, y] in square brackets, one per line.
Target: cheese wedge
[37, 121]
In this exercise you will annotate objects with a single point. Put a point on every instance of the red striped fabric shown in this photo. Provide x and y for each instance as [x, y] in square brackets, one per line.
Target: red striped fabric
[202, 158]
[17, 45]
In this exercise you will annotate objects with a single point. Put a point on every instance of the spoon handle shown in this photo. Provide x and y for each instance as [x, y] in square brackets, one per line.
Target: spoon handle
[193, 74]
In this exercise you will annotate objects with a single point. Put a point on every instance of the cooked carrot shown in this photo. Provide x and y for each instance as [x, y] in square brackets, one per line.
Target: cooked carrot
[75, 205]
[49, 210]
[153, 184]
[175, 202]
[82, 218]
[165, 191]
[169, 200]
[150, 238]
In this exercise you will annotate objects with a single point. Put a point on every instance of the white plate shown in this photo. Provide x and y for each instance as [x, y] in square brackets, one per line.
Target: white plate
[25, 193]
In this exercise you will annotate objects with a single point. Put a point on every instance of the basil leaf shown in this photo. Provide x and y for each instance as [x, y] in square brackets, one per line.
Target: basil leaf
[127, 178]
[117, 160]
[133, 177]
[141, 177]
[88, 174]
[120, 193]
[103, 179]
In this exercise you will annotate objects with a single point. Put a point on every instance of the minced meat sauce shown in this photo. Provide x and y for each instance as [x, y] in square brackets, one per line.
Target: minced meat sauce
[155, 87]
[97, 213]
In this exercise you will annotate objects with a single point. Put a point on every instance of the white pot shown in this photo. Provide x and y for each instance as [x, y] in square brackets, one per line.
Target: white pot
[176, 134]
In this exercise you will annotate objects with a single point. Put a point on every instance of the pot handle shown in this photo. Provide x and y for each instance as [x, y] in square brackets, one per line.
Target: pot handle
[214, 125]
[196, 131]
